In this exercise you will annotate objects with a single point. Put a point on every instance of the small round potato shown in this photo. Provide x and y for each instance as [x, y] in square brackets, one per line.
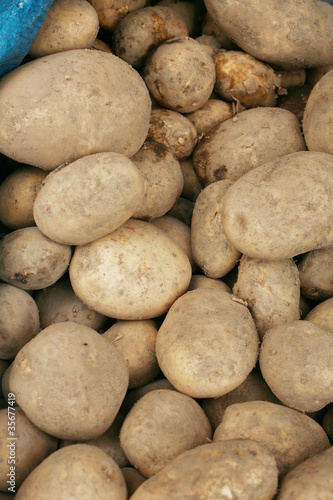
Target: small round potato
[209, 115]
[232, 469]
[69, 381]
[160, 426]
[316, 274]
[30, 260]
[110, 12]
[19, 320]
[79, 471]
[69, 24]
[136, 272]
[180, 74]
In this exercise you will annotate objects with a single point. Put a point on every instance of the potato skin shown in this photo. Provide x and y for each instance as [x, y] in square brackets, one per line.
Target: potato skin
[316, 274]
[88, 198]
[136, 272]
[290, 205]
[30, 94]
[111, 12]
[322, 314]
[210, 114]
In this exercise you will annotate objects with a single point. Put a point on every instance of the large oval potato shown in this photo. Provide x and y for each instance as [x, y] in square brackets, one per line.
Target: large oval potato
[42, 103]
[88, 198]
[283, 208]
[136, 272]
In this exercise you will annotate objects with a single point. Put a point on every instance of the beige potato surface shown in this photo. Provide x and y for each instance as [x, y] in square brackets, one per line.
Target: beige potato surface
[212, 251]
[135, 272]
[210, 44]
[207, 344]
[79, 471]
[30, 260]
[236, 468]
[283, 208]
[17, 196]
[322, 314]
[133, 396]
[69, 24]
[182, 210]
[110, 12]
[88, 198]
[246, 141]
[159, 427]
[289, 435]
[192, 184]
[200, 280]
[210, 114]
[30, 94]
[296, 360]
[209, 27]
[316, 274]
[69, 381]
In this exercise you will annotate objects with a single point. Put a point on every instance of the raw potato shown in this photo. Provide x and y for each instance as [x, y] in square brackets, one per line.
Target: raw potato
[162, 425]
[180, 74]
[254, 388]
[316, 274]
[133, 396]
[271, 290]
[318, 113]
[210, 114]
[143, 29]
[211, 44]
[246, 141]
[20, 455]
[322, 314]
[136, 272]
[289, 435]
[206, 359]
[163, 179]
[110, 12]
[188, 11]
[182, 210]
[192, 183]
[133, 479]
[136, 341]
[173, 130]
[211, 249]
[283, 208]
[88, 198]
[69, 24]
[292, 78]
[233, 469]
[311, 479]
[17, 196]
[30, 260]
[30, 94]
[79, 471]
[241, 77]
[69, 381]
[209, 27]
[59, 303]
[199, 280]
[19, 320]
[278, 33]
[296, 360]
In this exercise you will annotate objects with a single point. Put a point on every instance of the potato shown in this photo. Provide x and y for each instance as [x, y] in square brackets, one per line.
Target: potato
[69, 24]
[79, 471]
[163, 179]
[110, 12]
[327, 422]
[278, 35]
[69, 381]
[30, 260]
[291, 78]
[271, 290]
[17, 196]
[289, 435]
[101, 45]
[199, 280]
[88, 198]
[58, 303]
[173, 130]
[296, 360]
[246, 141]
[19, 320]
[310, 479]
[180, 74]
[209, 27]
[211, 44]
[209, 115]
[283, 208]
[22, 450]
[206, 359]
[133, 396]
[30, 94]
[136, 341]
[313, 75]
[322, 314]
[182, 210]
[241, 77]
[188, 11]
[133, 479]
[233, 469]
[316, 274]
[143, 29]
[317, 121]
[211, 249]
[192, 184]
[4, 365]
[254, 388]
[161, 426]
[135, 272]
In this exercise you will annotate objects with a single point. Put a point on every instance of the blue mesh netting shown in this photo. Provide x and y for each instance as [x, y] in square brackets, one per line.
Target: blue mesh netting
[20, 21]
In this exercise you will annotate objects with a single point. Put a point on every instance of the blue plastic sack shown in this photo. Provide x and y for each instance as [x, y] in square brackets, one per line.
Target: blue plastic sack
[20, 21]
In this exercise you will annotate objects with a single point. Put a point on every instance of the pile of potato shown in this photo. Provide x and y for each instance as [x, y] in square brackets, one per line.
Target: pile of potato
[166, 253]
